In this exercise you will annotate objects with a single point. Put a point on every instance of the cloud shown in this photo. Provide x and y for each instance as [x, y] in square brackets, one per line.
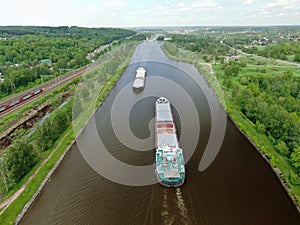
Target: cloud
[263, 12]
[247, 2]
[204, 4]
[113, 4]
[282, 3]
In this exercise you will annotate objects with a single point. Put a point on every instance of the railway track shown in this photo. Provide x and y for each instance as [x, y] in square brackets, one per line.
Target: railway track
[21, 100]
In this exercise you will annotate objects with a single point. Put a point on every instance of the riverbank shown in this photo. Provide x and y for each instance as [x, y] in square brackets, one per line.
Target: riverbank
[34, 182]
[36, 177]
[263, 145]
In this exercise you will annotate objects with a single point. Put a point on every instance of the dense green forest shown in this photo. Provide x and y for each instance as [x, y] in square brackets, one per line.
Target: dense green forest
[66, 48]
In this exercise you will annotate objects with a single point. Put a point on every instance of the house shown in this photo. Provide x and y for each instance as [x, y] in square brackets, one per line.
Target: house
[296, 39]
[48, 61]
[231, 58]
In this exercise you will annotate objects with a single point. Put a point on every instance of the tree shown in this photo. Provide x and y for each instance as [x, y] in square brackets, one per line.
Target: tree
[282, 148]
[43, 135]
[295, 158]
[160, 38]
[232, 69]
[297, 57]
[19, 159]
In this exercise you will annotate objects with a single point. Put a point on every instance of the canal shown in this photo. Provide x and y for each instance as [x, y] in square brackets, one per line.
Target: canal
[108, 176]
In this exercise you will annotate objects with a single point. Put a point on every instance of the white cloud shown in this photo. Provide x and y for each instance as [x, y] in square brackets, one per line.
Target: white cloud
[204, 4]
[288, 7]
[263, 12]
[247, 2]
[113, 4]
[180, 5]
[282, 3]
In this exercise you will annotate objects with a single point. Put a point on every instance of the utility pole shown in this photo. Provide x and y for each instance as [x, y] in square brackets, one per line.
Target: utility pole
[46, 76]
[12, 86]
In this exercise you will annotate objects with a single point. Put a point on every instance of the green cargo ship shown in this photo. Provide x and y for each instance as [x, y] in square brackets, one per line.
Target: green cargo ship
[170, 166]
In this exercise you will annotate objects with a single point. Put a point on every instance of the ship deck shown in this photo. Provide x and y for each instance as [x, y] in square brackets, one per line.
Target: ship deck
[169, 163]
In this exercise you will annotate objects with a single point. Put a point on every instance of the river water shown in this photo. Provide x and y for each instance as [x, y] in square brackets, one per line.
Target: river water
[238, 187]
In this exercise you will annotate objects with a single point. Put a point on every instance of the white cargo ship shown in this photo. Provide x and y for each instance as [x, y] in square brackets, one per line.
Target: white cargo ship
[170, 166]
[139, 81]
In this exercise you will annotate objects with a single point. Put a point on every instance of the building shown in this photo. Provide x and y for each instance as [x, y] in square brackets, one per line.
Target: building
[48, 61]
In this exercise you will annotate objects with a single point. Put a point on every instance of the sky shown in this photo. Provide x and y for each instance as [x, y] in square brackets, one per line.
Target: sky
[141, 13]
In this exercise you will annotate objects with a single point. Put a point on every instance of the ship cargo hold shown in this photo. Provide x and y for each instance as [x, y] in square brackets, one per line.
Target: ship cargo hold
[170, 166]
[139, 81]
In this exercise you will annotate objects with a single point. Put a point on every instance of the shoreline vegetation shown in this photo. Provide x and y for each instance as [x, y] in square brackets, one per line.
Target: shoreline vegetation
[53, 151]
[278, 162]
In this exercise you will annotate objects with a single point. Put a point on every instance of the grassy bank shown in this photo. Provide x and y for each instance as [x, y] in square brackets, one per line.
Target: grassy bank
[116, 68]
[10, 214]
[102, 80]
[279, 163]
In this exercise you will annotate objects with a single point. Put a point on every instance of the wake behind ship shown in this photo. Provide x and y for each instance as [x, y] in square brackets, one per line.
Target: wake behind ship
[170, 168]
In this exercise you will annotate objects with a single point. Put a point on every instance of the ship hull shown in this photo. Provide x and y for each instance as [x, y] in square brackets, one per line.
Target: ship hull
[168, 183]
[138, 89]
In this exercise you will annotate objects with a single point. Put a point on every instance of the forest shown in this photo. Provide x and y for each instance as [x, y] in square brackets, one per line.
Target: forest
[22, 52]
[203, 44]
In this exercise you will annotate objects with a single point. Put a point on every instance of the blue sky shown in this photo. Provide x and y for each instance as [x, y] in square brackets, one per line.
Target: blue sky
[130, 13]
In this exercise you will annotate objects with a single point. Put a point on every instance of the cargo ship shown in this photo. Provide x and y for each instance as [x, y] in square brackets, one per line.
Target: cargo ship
[170, 166]
[139, 81]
